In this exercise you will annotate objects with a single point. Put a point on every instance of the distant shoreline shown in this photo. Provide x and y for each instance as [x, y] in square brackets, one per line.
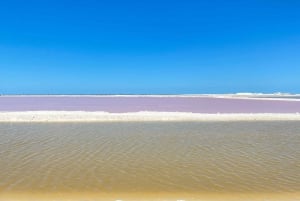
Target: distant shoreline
[250, 96]
[81, 116]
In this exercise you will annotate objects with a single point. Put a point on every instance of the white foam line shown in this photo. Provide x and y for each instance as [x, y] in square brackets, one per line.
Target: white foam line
[293, 97]
[257, 98]
[81, 116]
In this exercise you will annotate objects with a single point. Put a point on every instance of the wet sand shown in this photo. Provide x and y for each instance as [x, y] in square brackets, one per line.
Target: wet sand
[213, 160]
[75, 196]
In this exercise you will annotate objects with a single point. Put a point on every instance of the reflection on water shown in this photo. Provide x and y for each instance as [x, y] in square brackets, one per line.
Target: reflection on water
[150, 161]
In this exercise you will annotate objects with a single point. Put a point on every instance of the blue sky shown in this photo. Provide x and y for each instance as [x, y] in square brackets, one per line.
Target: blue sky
[149, 47]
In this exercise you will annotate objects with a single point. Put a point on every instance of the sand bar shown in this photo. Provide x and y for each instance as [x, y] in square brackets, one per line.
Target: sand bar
[82, 116]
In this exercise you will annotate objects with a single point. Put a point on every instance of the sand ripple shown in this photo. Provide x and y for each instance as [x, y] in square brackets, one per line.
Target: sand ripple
[151, 157]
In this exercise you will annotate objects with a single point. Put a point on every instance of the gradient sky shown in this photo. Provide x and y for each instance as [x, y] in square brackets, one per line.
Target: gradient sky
[149, 46]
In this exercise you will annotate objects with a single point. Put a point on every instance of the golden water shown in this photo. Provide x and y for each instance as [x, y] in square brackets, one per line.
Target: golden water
[150, 161]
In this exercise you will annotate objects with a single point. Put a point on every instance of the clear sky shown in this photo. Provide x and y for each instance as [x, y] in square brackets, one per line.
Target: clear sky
[149, 46]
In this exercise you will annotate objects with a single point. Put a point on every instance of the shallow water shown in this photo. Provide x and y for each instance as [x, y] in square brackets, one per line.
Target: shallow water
[150, 161]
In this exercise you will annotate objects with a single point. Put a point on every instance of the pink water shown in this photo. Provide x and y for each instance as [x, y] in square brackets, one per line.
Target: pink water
[136, 104]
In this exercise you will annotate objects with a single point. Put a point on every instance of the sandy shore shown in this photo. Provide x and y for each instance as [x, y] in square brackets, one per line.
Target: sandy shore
[81, 116]
[144, 196]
